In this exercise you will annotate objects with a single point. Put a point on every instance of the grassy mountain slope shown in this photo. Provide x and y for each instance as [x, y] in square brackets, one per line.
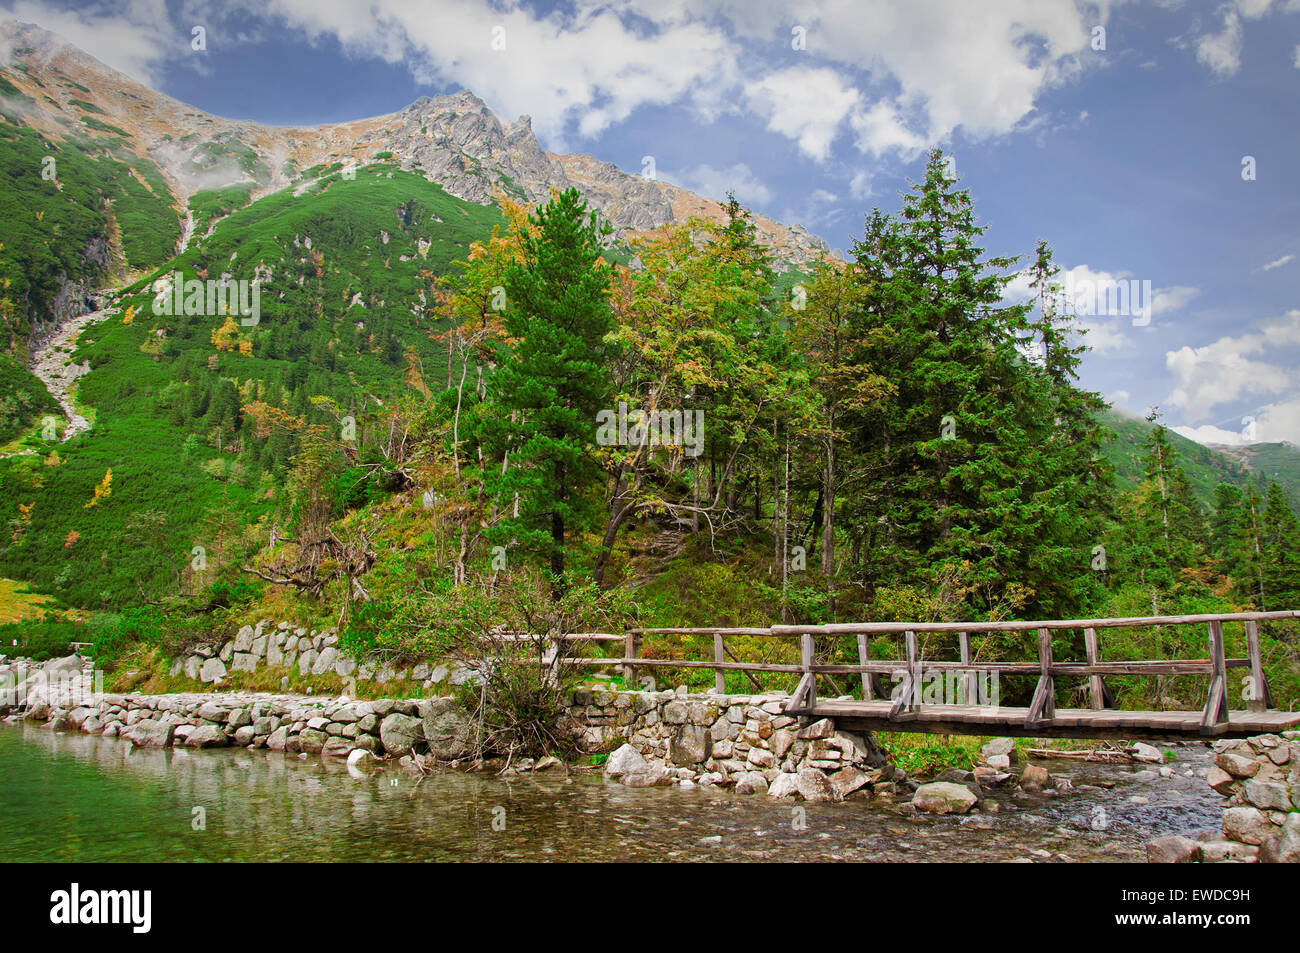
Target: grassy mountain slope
[1205, 467]
[342, 316]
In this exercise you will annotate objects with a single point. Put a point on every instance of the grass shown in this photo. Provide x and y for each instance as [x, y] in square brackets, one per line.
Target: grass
[17, 603]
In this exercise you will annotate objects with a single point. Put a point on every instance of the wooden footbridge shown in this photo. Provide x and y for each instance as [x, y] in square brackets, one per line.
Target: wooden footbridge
[961, 696]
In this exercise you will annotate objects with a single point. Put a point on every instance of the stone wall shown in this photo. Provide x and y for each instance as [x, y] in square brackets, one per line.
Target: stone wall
[1260, 779]
[742, 741]
[310, 651]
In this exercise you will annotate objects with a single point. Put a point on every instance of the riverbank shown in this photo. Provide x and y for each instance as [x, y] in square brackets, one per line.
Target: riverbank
[739, 744]
[71, 796]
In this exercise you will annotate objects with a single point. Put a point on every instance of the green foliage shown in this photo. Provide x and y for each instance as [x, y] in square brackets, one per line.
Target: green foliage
[552, 384]
[23, 399]
[60, 230]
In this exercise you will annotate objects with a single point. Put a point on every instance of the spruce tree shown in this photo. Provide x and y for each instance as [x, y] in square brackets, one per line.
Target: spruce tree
[551, 384]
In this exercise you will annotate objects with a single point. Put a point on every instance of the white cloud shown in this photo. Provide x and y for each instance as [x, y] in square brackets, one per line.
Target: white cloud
[715, 183]
[978, 66]
[134, 37]
[1168, 300]
[860, 185]
[1209, 434]
[1278, 262]
[806, 105]
[1225, 371]
[1221, 51]
[880, 130]
[583, 67]
[1279, 421]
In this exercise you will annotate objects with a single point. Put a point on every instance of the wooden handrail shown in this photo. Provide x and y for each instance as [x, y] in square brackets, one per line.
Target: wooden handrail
[913, 667]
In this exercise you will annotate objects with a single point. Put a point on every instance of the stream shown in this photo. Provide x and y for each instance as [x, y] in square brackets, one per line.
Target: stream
[75, 797]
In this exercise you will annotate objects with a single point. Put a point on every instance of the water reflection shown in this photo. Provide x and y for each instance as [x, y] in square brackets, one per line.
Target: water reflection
[81, 797]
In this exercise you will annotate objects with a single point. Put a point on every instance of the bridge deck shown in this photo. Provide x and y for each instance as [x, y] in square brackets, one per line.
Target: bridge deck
[1067, 723]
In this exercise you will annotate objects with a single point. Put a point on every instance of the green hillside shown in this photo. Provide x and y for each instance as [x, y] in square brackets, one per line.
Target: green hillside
[341, 321]
[1205, 468]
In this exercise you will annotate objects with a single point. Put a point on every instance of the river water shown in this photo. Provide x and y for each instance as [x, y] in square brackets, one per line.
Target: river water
[74, 797]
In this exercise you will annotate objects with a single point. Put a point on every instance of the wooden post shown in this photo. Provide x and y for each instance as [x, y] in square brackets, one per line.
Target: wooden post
[806, 660]
[968, 679]
[910, 695]
[1043, 707]
[1260, 697]
[1097, 691]
[1216, 702]
[631, 649]
[864, 656]
[719, 676]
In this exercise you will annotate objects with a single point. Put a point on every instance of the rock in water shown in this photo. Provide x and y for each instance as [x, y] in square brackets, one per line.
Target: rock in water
[943, 797]
[1173, 850]
[447, 729]
[400, 733]
[625, 760]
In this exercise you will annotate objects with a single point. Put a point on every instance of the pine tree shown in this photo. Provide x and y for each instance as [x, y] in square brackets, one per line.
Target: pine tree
[1281, 551]
[552, 383]
[981, 466]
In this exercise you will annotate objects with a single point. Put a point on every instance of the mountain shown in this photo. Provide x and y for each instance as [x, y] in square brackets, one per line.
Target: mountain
[454, 140]
[1206, 466]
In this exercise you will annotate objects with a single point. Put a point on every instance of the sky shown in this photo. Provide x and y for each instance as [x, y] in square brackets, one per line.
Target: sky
[1155, 144]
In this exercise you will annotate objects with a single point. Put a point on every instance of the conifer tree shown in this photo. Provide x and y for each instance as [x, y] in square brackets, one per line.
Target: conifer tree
[552, 383]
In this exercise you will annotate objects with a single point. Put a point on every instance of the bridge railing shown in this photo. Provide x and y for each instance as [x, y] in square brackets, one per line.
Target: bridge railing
[1043, 705]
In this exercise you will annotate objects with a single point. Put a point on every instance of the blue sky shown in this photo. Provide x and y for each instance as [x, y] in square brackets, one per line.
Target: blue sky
[1123, 148]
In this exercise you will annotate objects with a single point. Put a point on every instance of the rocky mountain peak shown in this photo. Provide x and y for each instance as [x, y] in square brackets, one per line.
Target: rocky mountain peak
[454, 139]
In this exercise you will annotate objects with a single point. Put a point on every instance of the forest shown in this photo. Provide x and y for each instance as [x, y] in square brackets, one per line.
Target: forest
[409, 445]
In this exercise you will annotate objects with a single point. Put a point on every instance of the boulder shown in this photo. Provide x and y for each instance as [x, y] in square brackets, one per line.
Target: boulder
[1283, 847]
[944, 797]
[624, 760]
[244, 662]
[785, 785]
[1266, 795]
[815, 786]
[847, 780]
[1247, 824]
[1173, 850]
[213, 670]
[1034, 777]
[1220, 780]
[448, 730]
[211, 711]
[1001, 748]
[751, 782]
[244, 639]
[1237, 765]
[148, 733]
[309, 740]
[691, 744]
[325, 661]
[1219, 851]
[206, 736]
[822, 728]
[401, 733]
[1146, 753]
